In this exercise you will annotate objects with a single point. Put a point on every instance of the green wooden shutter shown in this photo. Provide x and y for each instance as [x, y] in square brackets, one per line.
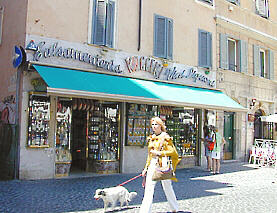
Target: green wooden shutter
[271, 64]
[169, 38]
[243, 51]
[256, 59]
[110, 24]
[160, 36]
[99, 20]
[223, 51]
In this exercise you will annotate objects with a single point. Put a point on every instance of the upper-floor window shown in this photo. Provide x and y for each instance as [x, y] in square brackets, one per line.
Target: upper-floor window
[262, 8]
[204, 49]
[233, 54]
[211, 2]
[234, 1]
[103, 23]
[1, 22]
[163, 37]
[263, 62]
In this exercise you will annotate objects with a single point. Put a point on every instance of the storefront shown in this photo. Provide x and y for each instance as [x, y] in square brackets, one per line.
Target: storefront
[96, 119]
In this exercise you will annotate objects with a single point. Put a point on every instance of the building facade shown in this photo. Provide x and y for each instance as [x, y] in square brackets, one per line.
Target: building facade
[92, 77]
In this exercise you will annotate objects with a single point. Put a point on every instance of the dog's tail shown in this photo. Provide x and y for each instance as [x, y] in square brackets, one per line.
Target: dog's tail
[131, 195]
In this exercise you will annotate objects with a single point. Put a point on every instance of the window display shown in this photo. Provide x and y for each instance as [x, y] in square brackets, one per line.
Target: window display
[138, 123]
[63, 130]
[182, 126]
[38, 122]
[103, 131]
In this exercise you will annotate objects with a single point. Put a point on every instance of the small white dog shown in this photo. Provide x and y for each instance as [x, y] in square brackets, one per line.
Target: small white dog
[111, 196]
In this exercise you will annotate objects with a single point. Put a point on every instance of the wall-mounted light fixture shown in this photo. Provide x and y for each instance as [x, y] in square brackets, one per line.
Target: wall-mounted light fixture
[252, 103]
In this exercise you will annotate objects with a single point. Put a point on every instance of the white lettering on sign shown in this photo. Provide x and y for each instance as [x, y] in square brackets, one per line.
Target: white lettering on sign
[69, 53]
[137, 63]
[117, 61]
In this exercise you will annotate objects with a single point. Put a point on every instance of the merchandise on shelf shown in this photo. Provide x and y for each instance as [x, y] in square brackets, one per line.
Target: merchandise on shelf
[103, 132]
[63, 130]
[182, 127]
[38, 122]
[138, 123]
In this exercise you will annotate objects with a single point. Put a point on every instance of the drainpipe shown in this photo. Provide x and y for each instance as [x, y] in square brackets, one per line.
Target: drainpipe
[139, 29]
[17, 126]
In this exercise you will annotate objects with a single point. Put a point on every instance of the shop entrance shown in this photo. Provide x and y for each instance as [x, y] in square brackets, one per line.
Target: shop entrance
[228, 135]
[79, 144]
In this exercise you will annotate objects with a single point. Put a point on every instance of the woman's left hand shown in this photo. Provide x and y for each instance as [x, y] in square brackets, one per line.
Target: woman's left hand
[155, 152]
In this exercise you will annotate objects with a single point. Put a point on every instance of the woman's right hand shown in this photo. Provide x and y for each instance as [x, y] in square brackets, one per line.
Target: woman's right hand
[143, 173]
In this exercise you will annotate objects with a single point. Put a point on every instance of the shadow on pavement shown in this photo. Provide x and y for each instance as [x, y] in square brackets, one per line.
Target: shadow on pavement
[71, 195]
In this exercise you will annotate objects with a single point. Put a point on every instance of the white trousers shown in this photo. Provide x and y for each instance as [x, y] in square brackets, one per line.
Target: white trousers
[146, 205]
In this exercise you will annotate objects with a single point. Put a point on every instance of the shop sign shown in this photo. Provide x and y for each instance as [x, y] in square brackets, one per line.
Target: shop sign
[49, 50]
[141, 63]
[54, 50]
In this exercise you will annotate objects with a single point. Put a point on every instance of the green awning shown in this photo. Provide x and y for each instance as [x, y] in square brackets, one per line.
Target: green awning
[78, 83]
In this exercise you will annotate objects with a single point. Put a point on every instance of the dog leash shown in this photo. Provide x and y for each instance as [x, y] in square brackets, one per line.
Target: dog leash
[129, 180]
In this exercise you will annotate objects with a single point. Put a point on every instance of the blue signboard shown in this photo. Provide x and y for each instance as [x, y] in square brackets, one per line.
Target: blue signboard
[17, 57]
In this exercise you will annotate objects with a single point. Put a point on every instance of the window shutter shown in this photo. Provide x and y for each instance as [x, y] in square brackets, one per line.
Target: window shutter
[209, 50]
[110, 23]
[234, 1]
[271, 64]
[160, 37]
[204, 49]
[99, 22]
[257, 62]
[243, 50]
[223, 51]
[170, 38]
[262, 7]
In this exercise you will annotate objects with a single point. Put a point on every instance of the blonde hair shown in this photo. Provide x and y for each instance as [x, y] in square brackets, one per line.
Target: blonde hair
[160, 122]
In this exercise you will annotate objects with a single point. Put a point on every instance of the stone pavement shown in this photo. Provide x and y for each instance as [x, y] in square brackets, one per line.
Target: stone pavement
[239, 188]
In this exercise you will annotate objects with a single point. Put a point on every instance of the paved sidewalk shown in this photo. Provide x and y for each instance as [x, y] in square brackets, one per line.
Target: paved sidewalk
[240, 188]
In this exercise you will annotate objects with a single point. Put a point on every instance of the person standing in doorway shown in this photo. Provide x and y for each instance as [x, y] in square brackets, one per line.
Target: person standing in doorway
[159, 139]
[219, 142]
[208, 134]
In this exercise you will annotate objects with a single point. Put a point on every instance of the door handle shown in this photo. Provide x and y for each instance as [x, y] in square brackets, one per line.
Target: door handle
[230, 138]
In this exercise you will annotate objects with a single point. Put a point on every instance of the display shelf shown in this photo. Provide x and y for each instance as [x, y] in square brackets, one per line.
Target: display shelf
[138, 123]
[38, 121]
[103, 132]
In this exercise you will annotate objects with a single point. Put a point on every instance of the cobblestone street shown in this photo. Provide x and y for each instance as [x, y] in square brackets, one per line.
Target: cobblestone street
[240, 188]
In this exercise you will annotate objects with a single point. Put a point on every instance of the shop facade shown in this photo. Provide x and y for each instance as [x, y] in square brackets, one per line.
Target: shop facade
[87, 108]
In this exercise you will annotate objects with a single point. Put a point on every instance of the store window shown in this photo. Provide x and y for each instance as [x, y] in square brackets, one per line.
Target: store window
[233, 54]
[181, 124]
[204, 49]
[63, 130]
[103, 131]
[103, 23]
[263, 62]
[138, 123]
[262, 8]
[38, 121]
[163, 37]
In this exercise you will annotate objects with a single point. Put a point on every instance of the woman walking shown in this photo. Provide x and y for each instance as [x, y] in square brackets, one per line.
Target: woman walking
[159, 145]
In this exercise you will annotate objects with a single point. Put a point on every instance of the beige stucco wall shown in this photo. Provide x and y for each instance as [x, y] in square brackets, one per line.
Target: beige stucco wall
[72, 23]
[13, 33]
[256, 30]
